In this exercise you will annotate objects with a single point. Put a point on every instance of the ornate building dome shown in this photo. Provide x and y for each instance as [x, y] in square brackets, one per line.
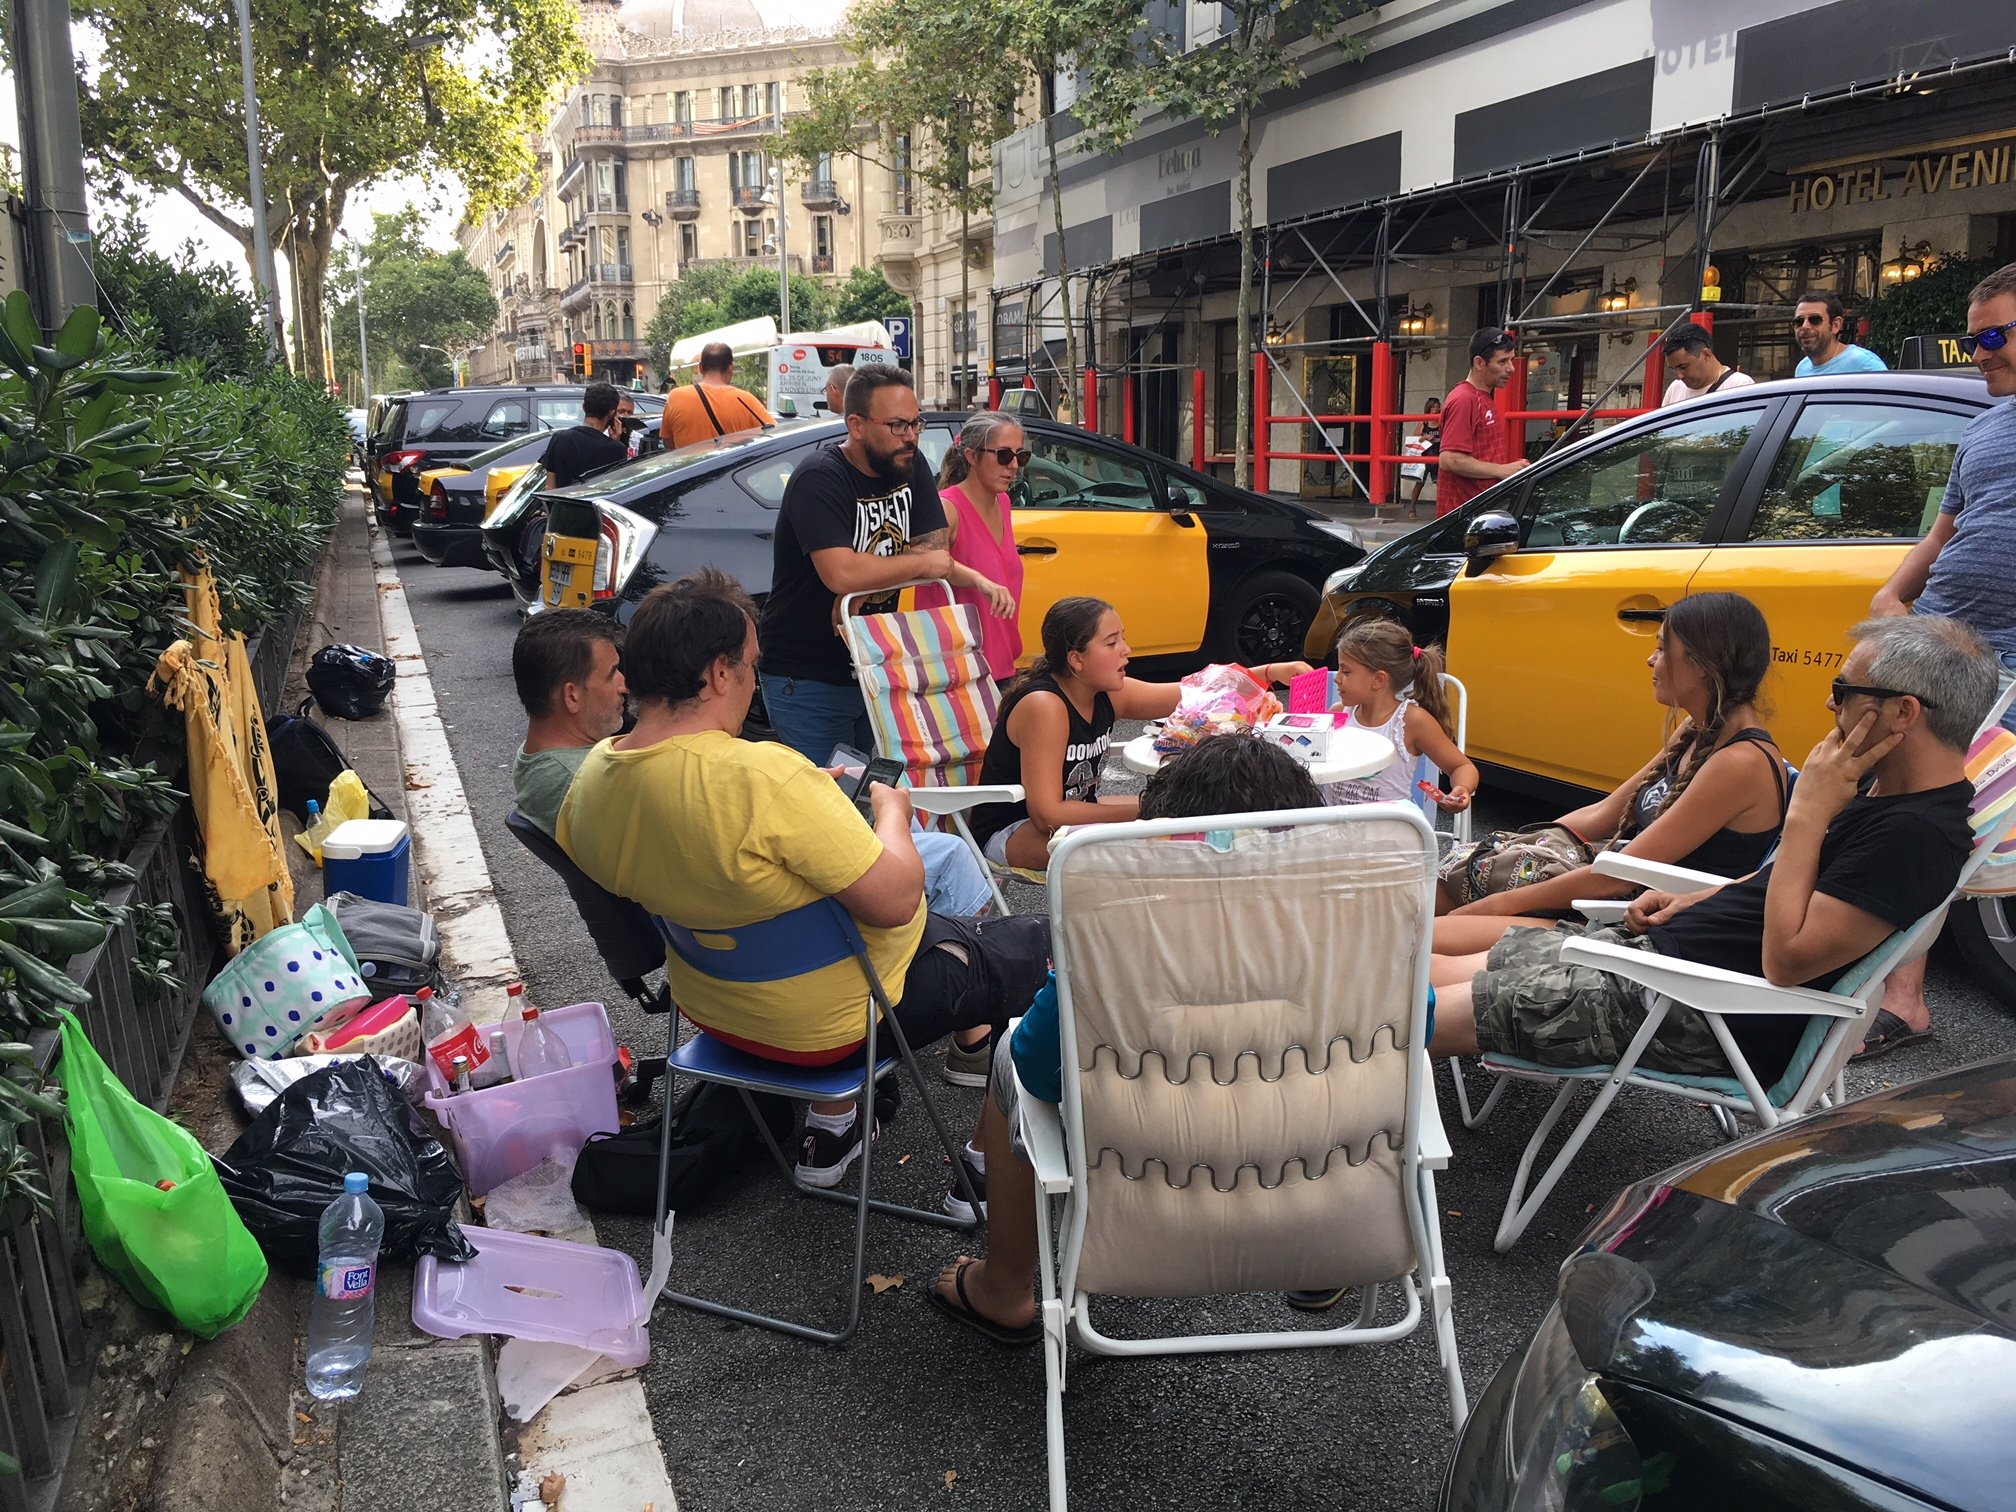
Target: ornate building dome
[697, 20]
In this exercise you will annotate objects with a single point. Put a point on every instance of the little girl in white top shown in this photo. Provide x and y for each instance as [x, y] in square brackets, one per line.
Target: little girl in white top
[1394, 688]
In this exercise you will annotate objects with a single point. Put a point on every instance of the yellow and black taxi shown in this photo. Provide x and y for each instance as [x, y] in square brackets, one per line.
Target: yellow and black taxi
[1199, 570]
[456, 497]
[1548, 588]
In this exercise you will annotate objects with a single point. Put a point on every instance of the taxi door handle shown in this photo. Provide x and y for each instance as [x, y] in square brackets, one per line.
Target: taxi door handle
[1654, 615]
[1035, 548]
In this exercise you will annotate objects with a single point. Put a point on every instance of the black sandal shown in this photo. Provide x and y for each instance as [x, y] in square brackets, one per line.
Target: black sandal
[963, 1311]
[1888, 1033]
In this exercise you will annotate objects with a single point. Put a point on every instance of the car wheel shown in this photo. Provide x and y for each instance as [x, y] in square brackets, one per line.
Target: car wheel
[1984, 929]
[1267, 619]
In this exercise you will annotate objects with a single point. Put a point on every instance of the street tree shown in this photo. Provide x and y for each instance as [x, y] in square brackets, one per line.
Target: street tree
[348, 95]
[699, 290]
[1220, 84]
[941, 79]
[866, 295]
[417, 302]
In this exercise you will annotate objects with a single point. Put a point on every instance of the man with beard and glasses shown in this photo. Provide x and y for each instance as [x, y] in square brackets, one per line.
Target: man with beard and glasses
[858, 517]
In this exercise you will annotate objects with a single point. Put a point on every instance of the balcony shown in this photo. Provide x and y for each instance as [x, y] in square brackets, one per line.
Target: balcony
[823, 194]
[822, 262]
[618, 348]
[897, 251]
[597, 136]
[742, 264]
[600, 278]
[706, 128]
[682, 204]
[571, 177]
[749, 198]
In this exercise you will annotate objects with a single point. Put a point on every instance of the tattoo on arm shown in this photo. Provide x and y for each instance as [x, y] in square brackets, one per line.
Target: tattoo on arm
[931, 540]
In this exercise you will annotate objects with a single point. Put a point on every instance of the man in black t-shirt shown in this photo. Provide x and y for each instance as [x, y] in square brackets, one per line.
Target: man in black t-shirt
[1874, 839]
[856, 518]
[594, 444]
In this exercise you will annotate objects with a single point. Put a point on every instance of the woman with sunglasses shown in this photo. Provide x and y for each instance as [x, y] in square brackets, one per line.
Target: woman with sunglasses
[973, 482]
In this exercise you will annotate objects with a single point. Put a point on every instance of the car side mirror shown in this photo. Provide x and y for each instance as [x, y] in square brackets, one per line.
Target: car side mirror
[1179, 505]
[1492, 534]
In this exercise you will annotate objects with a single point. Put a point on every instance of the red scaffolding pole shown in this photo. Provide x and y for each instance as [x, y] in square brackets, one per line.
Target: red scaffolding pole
[1197, 425]
[1127, 414]
[1385, 432]
[1263, 404]
[1089, 416]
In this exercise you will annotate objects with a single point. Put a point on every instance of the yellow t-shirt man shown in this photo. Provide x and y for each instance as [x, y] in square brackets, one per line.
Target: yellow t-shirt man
[713, 833]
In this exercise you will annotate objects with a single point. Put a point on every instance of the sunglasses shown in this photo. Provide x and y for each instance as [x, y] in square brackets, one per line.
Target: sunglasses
[1991, 340]
[1811, 320]
[1007, 456]
[1844, 690]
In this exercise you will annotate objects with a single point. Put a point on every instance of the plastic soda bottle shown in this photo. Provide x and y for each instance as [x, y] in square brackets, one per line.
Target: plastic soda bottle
[341, 1315]
[540, 1048]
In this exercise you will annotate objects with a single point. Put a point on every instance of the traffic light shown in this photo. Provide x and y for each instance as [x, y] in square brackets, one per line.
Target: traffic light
[584, 360]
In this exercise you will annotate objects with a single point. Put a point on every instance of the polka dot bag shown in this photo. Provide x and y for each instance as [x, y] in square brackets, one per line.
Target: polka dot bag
[284, 984]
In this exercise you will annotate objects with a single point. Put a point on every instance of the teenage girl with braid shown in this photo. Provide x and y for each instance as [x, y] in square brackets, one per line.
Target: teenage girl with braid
[1393, 687]
[1713, 799]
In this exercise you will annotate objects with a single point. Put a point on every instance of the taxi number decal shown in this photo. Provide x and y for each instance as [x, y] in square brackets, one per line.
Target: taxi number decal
[1800, 656]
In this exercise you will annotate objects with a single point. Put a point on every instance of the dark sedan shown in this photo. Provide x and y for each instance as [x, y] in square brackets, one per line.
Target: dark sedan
[1199, 570]
[1822, 1317]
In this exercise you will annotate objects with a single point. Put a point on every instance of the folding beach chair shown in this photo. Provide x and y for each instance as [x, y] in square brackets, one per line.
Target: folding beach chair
[794, 944]
[1247, 1100]
[1836, 1022]
[932, 704]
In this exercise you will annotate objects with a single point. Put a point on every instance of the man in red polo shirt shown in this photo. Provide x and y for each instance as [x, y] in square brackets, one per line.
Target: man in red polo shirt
[1476, 449]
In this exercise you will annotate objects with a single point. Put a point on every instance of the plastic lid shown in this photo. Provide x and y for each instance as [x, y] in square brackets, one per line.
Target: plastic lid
[516, 989]
[424, 994]
[356, 1181]
[529, 1014]
[364, 837]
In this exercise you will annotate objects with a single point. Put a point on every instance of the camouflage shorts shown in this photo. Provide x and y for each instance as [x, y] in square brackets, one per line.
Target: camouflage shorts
[1531, 1004]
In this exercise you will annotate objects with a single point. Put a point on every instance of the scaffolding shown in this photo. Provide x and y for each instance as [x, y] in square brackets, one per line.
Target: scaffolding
[1493, 224]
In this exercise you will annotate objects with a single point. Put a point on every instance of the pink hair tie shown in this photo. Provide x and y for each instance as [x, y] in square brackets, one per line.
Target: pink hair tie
[1417, 653]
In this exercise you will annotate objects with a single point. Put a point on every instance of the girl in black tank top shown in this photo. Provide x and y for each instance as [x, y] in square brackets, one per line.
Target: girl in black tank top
[1056, 726]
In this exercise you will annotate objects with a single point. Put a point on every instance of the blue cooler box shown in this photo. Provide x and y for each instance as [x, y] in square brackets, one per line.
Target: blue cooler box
[368, 857]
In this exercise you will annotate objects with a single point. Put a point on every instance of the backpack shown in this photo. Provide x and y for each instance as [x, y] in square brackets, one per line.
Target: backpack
[397, 948]
[306, 759]
[711, 1140]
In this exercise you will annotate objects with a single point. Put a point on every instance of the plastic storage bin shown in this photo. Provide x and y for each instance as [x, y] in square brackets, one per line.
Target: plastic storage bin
[501, 1132]
[368, 857]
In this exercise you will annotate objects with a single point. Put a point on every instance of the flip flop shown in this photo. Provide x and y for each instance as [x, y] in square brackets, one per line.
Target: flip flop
[963, 1311]
[1888, 1033]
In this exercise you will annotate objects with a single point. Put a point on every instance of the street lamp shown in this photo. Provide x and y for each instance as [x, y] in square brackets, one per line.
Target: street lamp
[776, 195]
[455, 359]
[268, 292]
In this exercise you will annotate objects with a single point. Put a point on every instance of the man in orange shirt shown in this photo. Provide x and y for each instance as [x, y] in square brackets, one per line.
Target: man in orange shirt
[712, 405]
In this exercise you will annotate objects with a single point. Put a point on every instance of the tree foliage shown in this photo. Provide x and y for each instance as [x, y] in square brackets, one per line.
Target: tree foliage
[415, 300]
[189, 312]
[1219, 84]
[713, 295]
[867, 296]
[348, 95]
[1931, 304]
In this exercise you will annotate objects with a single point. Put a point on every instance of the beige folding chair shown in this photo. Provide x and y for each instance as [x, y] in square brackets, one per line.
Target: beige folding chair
[1243, 1005]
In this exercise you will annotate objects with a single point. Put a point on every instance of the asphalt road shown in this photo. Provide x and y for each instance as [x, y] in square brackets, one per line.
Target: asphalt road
[751, 1420]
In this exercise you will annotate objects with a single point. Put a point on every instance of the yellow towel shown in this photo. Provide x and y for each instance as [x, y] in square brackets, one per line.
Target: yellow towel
[231, 780]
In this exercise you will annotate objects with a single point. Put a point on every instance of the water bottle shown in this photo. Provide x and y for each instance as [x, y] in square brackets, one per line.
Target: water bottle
[540, 1048]
[317, 829]
[340, 1318]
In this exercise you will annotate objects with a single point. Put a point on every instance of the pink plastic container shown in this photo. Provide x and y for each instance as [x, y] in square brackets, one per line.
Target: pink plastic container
[374, 1018]
[528, 1287]
[501, 1132]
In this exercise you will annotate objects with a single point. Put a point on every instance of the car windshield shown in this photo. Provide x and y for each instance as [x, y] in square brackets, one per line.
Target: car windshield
[659, 466]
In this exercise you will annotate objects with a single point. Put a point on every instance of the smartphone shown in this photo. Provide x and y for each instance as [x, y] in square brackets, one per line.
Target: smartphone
[883, 769]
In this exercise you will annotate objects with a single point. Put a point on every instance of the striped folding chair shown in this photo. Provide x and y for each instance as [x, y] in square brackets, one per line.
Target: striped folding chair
[932, 704]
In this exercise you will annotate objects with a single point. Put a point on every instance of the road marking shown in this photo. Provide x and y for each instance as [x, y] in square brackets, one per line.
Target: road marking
[600, 1436]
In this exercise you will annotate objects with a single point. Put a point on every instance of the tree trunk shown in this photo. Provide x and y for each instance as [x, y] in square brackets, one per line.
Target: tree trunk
[314, 235]
[1242, 457]
[1067, 397]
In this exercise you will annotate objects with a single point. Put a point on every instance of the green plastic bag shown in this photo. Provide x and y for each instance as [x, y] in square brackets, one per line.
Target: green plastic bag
[183, 1249]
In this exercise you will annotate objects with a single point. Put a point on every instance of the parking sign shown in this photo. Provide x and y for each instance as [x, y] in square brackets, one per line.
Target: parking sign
[899, 334]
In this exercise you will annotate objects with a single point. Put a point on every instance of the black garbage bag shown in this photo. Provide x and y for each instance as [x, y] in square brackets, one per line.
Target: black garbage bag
[350, 682]
[289, 1165]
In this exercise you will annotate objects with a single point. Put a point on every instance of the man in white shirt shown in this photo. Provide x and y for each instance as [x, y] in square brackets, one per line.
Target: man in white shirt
[1698, 372]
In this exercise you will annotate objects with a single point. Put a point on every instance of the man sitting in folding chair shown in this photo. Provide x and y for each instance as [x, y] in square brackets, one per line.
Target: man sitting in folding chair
[1859, 859]
[716, 833]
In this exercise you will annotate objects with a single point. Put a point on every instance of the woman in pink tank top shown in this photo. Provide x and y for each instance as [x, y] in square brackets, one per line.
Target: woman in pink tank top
[974, 480]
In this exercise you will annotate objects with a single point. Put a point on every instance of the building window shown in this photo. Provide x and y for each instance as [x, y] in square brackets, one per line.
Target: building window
[725, 102]
[822, 238]
[900, 189]
[822, 170]
[689, 243]
[682, 173]
[750, 101]
[629, 332]
[773, 98]
[682, 107]
[752, 238]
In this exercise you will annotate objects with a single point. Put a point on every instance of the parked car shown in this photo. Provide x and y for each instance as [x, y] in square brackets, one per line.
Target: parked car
[1199, 569]
[419, 431]
[448, 529]
[1818, 1318]
[1548, 587]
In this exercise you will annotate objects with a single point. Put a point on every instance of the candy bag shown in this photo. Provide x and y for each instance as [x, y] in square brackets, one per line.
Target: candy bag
[1222, 699]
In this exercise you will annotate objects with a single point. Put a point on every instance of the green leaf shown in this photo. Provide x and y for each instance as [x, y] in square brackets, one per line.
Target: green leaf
[55, 576]
[39, 977]
[56, 361]
[17, 317]
[79, 337]
[141, 380]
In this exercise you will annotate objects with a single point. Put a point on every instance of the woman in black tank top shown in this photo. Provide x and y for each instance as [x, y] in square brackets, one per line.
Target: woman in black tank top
[1713, 798]
[1056, 725]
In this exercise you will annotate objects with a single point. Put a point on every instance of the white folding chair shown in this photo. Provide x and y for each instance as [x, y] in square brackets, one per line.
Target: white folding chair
[1837, 1020]
[1247, 1100]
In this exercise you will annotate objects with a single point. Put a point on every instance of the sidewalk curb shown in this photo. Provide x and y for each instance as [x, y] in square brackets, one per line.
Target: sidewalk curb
[600, 1436]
